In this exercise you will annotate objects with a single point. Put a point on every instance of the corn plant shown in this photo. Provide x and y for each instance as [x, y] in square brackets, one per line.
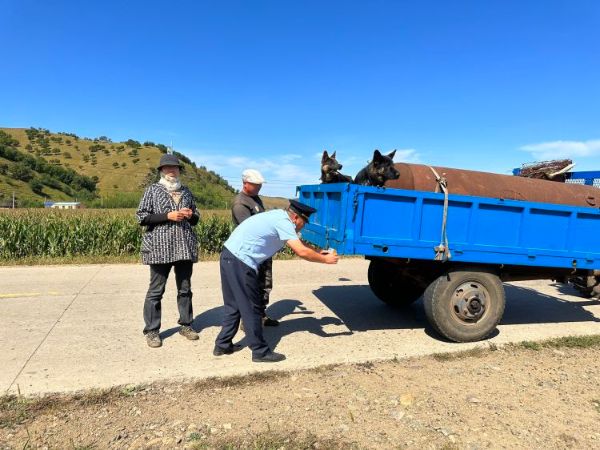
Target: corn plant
[61, 233]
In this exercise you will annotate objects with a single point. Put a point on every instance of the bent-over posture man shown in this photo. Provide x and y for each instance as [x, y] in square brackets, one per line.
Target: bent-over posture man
[168, 211]
[246, 204]
[252, 242]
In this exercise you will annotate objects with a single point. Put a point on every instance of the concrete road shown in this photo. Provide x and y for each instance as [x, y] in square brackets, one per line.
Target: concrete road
[67, 328]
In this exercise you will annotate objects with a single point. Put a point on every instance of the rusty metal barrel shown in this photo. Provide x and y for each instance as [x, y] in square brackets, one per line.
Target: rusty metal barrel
[420, 177]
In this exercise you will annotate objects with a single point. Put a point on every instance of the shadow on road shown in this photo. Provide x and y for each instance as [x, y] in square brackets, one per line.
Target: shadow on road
[206, 319]
[360, 310]
[524, 305]
[294, 317]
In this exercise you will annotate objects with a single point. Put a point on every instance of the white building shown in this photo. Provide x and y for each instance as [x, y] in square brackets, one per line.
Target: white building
[63, 205]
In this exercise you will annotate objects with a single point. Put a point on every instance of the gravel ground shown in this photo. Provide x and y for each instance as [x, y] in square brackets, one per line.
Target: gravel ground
[516, 396]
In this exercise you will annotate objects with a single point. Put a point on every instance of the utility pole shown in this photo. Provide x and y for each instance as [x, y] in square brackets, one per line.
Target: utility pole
[13, 199]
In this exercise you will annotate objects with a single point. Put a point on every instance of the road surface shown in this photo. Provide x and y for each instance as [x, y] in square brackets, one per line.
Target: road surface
[67, 328]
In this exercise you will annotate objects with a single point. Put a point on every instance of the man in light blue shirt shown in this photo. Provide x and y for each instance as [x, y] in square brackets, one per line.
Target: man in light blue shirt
[256, 239]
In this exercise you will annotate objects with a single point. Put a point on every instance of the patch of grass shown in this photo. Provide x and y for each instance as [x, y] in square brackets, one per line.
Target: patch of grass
[97, 396]
[574, 341]
[475, 352]
[195, 437]
[17, 409]
[596, 404]
[366, 366]
[590, 341]
[531, 345]
[130, 390]
[239, 380]
[450, 446]
[82, 447]
[271, 441]
[46, 260]
[13, 410]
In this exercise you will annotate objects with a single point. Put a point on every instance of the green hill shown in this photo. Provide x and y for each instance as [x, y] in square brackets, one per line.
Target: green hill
[36, 165]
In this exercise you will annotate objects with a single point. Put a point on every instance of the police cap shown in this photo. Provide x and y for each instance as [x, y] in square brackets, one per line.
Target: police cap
[301, 209]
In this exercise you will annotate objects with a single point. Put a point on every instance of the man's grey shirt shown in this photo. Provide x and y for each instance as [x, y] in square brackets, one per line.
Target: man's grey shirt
[245, 206]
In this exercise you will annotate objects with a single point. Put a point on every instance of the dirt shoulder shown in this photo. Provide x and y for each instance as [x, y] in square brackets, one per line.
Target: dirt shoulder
[518, 396]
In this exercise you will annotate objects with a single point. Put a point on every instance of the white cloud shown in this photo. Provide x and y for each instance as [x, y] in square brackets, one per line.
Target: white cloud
[408, 155]
[290, 157]
[563, 149]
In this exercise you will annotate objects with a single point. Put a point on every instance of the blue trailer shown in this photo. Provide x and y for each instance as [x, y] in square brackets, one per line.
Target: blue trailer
[455, 251]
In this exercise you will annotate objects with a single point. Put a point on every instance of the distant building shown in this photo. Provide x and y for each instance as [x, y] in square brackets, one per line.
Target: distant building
[62, 205]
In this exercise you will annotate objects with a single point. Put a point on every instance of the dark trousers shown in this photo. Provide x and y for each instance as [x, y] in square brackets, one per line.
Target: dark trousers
[265, 282]
[242, 299]
[159, 273]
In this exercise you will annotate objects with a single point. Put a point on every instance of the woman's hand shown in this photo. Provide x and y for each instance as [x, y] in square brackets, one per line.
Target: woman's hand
[187, 212]
[176, 216]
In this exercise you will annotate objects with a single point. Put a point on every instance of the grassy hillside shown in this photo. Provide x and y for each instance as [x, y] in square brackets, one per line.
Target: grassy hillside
[36, 164]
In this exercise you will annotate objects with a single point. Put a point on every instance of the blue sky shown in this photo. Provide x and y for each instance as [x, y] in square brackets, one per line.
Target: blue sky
[483, 85]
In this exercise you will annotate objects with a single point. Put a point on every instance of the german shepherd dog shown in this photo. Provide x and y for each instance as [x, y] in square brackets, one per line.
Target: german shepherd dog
[330, 168]
[378, 171]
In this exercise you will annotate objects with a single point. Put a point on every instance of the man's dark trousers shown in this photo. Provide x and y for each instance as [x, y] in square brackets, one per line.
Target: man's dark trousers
[242, 298]
[265, 283]
[158, 280]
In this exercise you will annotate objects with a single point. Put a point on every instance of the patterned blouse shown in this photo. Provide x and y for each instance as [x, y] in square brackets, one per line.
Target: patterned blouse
[166, 241]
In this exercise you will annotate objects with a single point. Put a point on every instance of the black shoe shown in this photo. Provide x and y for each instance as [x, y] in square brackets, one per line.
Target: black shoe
[220, 351]
[268, 322]
[269, 357]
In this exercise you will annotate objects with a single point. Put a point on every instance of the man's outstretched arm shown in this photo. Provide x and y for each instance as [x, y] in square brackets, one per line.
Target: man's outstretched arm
[309, 254]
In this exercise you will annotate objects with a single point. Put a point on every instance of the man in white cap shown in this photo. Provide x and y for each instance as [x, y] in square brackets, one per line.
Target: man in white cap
[246, 204]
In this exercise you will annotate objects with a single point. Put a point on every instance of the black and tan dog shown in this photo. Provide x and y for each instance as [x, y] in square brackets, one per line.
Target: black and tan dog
[378, 171]
[330, 168]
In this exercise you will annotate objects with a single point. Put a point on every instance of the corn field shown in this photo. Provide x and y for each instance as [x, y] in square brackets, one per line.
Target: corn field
[26, 233]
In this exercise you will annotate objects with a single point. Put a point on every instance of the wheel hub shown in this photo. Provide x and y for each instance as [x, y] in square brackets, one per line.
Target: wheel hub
[470, 301]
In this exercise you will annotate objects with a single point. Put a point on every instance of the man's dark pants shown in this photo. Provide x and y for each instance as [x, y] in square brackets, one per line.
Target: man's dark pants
[242, 299]
[158, 280]
[265, 283]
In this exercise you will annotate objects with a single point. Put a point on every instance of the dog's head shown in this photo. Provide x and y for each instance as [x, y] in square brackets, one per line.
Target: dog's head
[382, 168]
[330, 168]
[329, 163]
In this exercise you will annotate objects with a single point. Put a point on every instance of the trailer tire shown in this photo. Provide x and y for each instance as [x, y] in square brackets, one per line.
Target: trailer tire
[465, 305]
[389, 286]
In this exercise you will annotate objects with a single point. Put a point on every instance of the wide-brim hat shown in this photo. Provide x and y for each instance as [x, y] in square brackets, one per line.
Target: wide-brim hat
[168, 160]
[301, 209]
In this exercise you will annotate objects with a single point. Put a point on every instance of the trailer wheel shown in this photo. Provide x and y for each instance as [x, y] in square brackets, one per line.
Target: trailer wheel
[465, 305]
[389, 286]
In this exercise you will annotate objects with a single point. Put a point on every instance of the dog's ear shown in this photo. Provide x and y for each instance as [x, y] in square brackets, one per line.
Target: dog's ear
[325, 156]
[391, 155]
[377, 155]
[333, 155]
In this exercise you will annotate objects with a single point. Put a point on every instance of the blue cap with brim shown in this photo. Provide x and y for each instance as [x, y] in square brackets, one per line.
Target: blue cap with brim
[301, 209]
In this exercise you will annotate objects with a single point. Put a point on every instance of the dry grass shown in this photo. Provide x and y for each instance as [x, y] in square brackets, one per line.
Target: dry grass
[475, 352]
[267, 441]
[563, 342]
